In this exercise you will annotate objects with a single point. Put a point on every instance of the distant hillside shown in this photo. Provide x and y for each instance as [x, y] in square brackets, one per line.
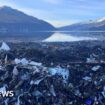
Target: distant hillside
[93, 25]
[14, 22]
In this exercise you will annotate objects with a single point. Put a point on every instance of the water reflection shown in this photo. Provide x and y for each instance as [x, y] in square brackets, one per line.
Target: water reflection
[37, 36]
[64, 37]
[54, 36]
[92, 34]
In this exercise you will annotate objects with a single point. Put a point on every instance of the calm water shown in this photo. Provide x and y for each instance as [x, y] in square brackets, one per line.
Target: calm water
[70, 36]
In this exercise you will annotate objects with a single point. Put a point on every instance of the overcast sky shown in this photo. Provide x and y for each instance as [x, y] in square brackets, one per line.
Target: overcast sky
[60, 12]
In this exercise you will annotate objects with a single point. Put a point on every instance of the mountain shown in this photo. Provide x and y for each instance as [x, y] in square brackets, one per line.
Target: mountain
[14, 22]
[92, 25]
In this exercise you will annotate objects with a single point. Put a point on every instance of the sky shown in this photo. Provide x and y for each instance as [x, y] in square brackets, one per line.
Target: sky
[60, 12]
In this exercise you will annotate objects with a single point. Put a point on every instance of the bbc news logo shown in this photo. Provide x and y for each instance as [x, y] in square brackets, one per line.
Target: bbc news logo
[6, 94]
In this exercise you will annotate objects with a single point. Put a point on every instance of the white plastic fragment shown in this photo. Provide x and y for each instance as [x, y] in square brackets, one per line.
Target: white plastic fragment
[95, 68]
[90, 60]
[4, 47]
[70, 103]
[35, 63]
[37, 93]
[59, 71]
[24, 61]
[6, 59]
[3, 89]
[36, 82]
[52, 90]
[87, 78]
[15, 71]
[17, 61]
[77, 93]
[1, 67]
[18, 101]
[6, 102]
[103, 93]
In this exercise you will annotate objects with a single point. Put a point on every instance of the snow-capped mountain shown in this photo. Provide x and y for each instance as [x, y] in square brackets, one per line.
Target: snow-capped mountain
[100, 19]
[15, 22]
[93, 21]
[58, 37]
[91, 25]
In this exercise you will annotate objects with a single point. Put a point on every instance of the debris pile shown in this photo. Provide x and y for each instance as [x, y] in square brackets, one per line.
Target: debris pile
[36, 84]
